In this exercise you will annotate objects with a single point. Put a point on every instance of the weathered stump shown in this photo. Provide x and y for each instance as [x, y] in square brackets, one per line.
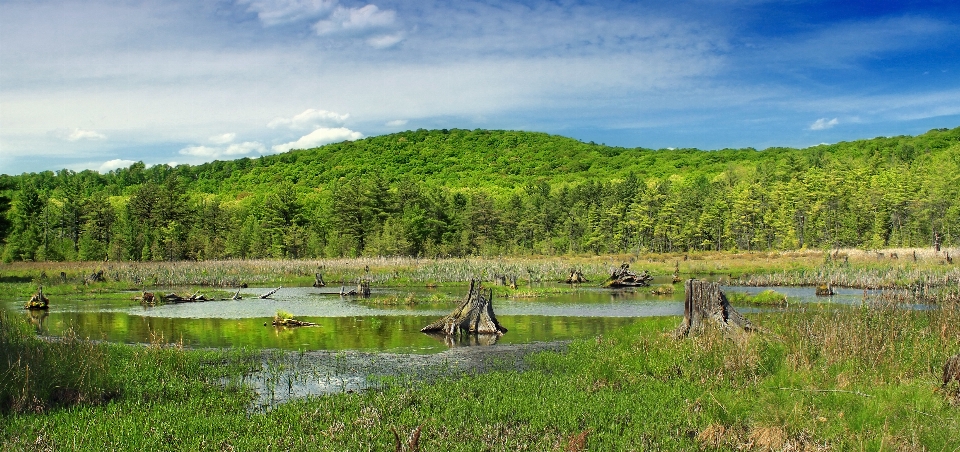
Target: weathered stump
[576, 277]
[676, 273]
[38, 301]
[318, 281]
[705, 300]
[825, 290]
[623, 277]
[473, 316]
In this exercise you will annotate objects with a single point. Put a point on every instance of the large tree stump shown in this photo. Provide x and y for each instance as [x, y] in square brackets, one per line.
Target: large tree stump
[38, 301]
[473, 316]
[318, 281]
[951, 370]
[705, 300]
[623, 277]
[576, 277]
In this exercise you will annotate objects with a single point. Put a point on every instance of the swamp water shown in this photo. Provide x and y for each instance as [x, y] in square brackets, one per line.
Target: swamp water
[349, 323]
[358, 344]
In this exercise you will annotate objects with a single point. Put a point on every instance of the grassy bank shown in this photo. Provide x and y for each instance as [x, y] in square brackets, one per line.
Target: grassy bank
[864, 378]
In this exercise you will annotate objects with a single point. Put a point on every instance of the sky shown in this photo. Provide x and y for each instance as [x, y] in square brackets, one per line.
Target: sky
[100, 84]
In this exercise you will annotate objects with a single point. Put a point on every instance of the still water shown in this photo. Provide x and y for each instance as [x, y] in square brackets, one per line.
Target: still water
[346, 323]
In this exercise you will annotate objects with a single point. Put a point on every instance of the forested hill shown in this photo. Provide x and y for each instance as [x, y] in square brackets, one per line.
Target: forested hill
[461, 192]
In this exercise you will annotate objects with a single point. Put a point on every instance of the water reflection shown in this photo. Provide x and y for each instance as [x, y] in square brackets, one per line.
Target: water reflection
[349, 324]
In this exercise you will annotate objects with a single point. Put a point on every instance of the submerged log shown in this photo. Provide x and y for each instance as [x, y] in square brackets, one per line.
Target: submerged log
[473, 316]
[705, 300]
[277, 321]
[268, 294]
[576, 277]
[623, 277]
[38, 301]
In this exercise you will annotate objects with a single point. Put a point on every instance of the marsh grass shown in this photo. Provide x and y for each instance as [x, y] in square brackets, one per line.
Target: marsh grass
[766, 298]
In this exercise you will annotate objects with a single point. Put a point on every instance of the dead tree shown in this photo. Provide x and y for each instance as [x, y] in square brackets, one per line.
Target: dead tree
[268, 294]
[623, 277]
[38, 301]
[473, 316]
[676, 272]
[576, 277]
[318, 281]
[705, 300]
[236, 296]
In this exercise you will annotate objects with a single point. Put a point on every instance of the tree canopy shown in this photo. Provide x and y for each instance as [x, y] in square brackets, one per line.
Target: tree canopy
[472, 192]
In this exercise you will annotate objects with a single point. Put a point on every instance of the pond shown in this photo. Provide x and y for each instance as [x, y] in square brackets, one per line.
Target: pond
[348, 323]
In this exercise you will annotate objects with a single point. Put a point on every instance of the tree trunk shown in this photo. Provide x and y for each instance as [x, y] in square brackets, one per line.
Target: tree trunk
[704, 300]
[473, 316]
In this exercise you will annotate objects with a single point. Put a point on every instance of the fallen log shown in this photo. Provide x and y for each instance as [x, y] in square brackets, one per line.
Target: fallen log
[623, 277]
[704, 300]
[291, 322]
[236, 296]
[473, 316]
[268, 294]
[38, 301]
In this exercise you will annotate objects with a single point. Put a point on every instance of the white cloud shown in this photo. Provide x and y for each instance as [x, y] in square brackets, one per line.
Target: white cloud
[355, 20]
[310, 119]
[214, 152]
[385, 41]
[222, 138]
[274, 12]
[397, 123]
[824, 123]
[320, 137]
[111, 165]
[80, 134]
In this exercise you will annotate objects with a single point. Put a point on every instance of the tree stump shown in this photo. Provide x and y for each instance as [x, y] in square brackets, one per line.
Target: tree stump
[38, 301]
[576, 277]
[705, 300]
[623, 277]
[318, 281]
[473, 316]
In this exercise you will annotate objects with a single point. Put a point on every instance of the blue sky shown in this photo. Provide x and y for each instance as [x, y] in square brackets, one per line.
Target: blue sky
[99, 84]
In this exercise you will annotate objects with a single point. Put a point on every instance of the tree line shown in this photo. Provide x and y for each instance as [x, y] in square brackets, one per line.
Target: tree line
[463, 193]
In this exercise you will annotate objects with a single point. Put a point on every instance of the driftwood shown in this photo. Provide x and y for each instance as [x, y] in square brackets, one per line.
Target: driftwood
[268, 294]
[277, 321]
[236, 296]
[473, 316]
[623, 277]
[38, 301]
[318, 280]
[576, 277]
[705, 300]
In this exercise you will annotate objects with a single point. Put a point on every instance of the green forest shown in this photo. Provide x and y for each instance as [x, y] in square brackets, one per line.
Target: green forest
[450, 193]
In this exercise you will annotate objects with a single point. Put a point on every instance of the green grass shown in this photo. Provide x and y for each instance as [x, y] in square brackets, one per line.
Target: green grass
[860, 378]
[766, 298]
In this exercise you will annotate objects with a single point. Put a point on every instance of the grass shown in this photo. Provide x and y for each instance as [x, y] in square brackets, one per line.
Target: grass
[819, 379]
[765, 298]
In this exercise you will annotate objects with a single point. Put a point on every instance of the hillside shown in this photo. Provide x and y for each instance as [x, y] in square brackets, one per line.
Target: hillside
[463, 192]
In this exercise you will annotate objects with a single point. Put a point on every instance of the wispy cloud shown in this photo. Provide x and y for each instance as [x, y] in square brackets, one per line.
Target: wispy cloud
[824, 123]
[320, 137]
[309, 119]
[355, 20]
[111, 165]
[223, 138]
[80, 134]
[396, 123]
[275, 12]
[233, 150]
